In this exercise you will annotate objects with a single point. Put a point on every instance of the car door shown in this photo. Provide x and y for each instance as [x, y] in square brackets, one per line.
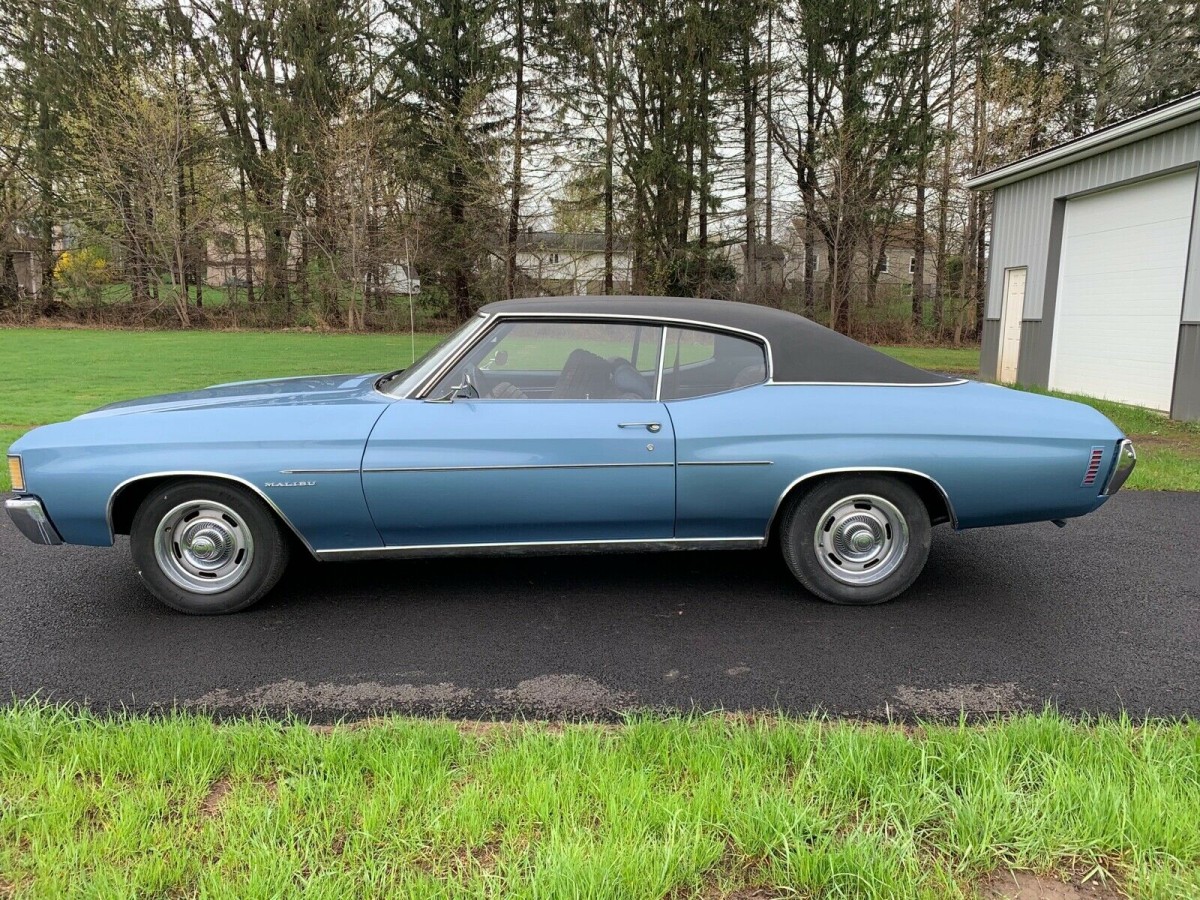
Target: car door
[544, 432]
[726, 432]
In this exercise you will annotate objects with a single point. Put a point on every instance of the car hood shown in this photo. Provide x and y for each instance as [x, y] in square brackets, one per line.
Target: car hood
[306, 390]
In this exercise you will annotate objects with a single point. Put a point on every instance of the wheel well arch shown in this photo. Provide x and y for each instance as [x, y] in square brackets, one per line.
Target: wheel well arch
[127, 496]
[932, 494]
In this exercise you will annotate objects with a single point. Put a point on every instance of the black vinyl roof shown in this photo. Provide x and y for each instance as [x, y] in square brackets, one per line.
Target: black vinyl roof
[801, 350]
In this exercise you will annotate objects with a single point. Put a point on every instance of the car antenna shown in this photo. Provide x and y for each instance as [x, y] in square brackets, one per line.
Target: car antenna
[412, 321]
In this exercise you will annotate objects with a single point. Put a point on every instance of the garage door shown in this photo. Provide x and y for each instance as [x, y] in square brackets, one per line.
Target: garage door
[1120, 291]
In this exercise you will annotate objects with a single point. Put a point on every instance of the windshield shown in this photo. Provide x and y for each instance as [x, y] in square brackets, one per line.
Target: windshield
[407, 379]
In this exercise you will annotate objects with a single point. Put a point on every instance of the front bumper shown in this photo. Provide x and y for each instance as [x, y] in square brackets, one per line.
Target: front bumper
[28, 514]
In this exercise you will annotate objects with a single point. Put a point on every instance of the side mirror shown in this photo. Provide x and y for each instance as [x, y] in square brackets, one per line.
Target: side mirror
[458, 390]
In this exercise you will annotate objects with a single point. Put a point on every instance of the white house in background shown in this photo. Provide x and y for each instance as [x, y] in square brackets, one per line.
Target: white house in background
[561, 264]
[396, 278]
[782, 264]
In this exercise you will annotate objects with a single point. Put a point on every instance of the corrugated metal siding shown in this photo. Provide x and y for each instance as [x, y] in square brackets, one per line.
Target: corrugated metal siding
[1021, 236]
[1186, 402]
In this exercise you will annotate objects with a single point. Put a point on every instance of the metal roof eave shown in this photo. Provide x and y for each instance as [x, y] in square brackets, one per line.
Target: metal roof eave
[1164, 118]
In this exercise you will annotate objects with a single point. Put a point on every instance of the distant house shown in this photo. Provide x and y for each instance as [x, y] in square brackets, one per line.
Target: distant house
[399, 279]
[562, 264]
[226, 263]
[26, 256]
[782, 264]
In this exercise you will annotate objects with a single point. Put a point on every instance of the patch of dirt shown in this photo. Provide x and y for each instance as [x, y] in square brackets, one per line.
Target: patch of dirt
[210, 806]
[711, 892]
[952, 699]
[459, 861]
[1181, 442]
[563, 696]
[1027, 886]
[290, 694]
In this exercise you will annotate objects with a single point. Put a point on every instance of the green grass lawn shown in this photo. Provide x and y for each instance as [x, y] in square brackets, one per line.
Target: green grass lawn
[696, 807]
[952, 360]
[48, 375]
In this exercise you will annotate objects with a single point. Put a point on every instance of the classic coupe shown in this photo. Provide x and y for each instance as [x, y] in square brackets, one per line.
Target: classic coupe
[572, 425]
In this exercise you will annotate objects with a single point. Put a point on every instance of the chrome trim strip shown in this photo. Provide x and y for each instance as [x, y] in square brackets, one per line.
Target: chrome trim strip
[318, 471]
[787, 490]
[418, 551]
[220, 476]
[601, 317]
[648, 465]
[728, 462]
[29, 517]
[662, 362]
[922, 384]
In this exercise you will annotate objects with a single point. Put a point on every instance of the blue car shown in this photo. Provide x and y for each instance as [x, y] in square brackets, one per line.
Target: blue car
[581, 424]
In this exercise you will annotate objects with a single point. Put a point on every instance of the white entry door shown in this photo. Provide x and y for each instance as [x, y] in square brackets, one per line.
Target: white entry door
[1120, 291]
[1010, 323]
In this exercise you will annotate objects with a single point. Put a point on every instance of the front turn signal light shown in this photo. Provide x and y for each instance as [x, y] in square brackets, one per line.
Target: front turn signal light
[15, 474]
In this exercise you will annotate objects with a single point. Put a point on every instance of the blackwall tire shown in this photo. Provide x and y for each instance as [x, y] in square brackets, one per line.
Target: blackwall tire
[856, 540]
[206, 547]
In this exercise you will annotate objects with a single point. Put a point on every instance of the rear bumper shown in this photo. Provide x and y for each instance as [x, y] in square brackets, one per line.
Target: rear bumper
[1122, 468]
[28, 514]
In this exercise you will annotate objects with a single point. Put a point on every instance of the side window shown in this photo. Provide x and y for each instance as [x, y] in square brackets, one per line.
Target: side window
[699, 363]
[543, 359]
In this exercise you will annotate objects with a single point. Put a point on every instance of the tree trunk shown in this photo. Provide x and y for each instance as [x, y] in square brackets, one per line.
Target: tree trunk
[939, 286]
[922, 173]
[610, 101]
[460, 284]
[705, 188]
[514, 205]
[773, 293]
[245, 210]
[749, 148]
[808, 182]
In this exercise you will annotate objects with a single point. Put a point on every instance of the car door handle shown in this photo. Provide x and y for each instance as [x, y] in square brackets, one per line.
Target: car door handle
[652, 427]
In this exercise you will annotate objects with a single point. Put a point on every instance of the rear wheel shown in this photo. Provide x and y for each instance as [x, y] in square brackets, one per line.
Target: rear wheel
[205, 548]
[856, 539]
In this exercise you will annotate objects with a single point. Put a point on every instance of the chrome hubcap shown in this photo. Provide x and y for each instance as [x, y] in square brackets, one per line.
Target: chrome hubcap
[861, 540]
[203, 546]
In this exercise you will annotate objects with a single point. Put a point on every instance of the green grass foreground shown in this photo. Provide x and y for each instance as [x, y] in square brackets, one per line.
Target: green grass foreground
[47, 375]
[691, 807]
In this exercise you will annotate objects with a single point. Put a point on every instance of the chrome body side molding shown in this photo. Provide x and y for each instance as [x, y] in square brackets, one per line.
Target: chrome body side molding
[613, 465]
[727, 462]
[318, 471]
[541, 548]
[883, 470]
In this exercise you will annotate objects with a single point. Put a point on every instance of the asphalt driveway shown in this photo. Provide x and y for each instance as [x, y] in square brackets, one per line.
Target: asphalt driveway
[1101, 616]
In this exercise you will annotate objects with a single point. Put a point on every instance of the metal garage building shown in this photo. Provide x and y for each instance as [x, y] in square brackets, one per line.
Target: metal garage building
[1094, 277]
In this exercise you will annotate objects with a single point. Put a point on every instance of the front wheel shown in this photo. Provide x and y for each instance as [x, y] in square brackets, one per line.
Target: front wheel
[856, 539]
[205, 548]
